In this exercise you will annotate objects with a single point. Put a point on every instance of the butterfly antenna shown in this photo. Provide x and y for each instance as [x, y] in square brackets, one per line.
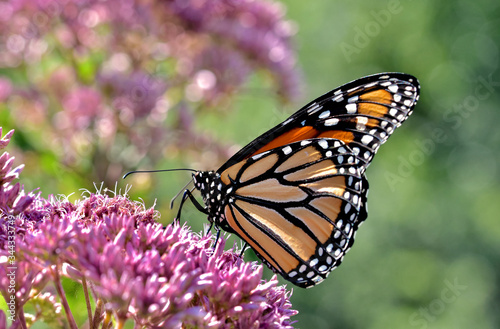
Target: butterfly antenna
[164, 170]
[150, 171]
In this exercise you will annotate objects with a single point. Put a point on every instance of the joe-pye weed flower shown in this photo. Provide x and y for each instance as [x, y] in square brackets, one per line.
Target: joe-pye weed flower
[134, 268]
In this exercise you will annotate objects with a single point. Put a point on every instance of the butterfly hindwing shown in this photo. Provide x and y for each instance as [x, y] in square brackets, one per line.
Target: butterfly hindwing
[298, 212]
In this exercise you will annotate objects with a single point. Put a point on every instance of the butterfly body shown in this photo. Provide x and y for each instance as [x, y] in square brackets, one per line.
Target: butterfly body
[298, 193]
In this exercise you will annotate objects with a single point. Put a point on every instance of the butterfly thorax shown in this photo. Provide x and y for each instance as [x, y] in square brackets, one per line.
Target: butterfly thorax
[212, 190]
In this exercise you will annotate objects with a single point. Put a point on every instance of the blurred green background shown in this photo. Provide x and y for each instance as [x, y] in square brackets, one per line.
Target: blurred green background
[428, 255]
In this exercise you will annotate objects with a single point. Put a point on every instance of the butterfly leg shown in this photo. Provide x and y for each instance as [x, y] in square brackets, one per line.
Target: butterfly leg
[243, 250]
[209, 228]
[216, 238]
[187, 194]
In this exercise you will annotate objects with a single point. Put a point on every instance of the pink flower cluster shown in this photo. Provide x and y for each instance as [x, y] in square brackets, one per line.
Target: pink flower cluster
[99, 78]
[135, 269]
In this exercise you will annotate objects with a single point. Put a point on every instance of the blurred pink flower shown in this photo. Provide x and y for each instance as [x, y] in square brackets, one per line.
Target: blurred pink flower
[103, 76]
[5, 89]
[81, 107]
[134, 96]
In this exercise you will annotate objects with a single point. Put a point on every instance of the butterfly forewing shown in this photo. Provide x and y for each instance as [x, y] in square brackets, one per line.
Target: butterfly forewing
[362, 113]
[298, 212]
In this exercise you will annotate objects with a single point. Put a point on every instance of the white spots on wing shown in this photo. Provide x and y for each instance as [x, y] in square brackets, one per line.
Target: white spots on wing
[347, 208]
[366, 139]
[393, 88]
[351, 108]
[260, 155]
[397, 97]
[340, 159]
[287, 121]
[338, 98]
[342, 149]
[328, 154]
[314, 108]
[305, 142]
[302, 268]
[361, 122]
[287, 150]
[324, 114]
[323, 143]
[393, 111]
[407, 102]
[353, 99]
[331, 122]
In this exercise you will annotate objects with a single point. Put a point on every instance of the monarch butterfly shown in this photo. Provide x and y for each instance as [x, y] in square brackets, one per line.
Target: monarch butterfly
[297, 193]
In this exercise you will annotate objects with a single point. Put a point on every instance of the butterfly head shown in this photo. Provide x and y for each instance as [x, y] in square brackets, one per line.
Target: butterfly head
[209, 184]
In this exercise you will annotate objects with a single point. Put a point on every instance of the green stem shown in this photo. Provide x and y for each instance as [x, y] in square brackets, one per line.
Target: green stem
[62, 295]
[97, 314]
[87, 299]
[22, 319]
